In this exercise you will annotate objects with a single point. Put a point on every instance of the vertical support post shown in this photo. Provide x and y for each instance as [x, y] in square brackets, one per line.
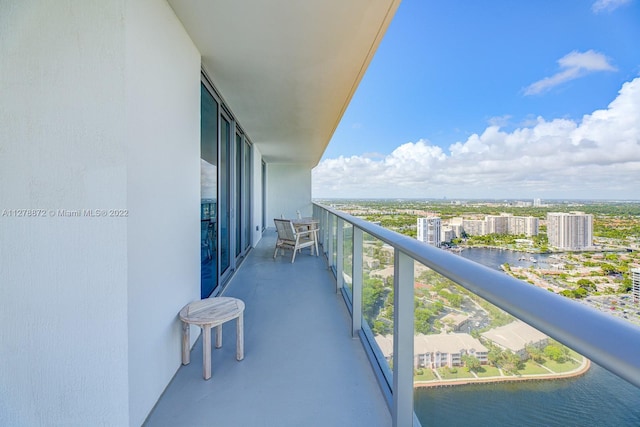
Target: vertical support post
[340, 255]
[402, 410]
[356, 277]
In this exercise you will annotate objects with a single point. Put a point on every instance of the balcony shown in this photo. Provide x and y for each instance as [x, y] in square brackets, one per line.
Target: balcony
[302, 366]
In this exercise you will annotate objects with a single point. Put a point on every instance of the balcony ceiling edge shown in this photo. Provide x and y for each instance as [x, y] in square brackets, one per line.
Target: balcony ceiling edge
[288, 70]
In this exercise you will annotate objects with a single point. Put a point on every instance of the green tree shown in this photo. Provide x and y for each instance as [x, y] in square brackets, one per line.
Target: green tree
[580, 293]
[422, 320]
[586, 284]
[534, 353]
[554, 352]
[608, 269]
[511, 362]
[455, 300]
[494, 356]
[625, 286]
[612, 257]
[567, 293]
[381, 328]
[471, 362]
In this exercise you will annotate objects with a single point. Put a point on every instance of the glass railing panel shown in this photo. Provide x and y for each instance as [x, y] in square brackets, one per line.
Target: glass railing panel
[377, 300]
[334, 243]
[347, 260]
[467, 346]
[533, 386]
[330, 240]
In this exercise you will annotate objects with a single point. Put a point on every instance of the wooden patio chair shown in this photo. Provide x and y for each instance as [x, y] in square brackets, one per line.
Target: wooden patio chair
[290, 238]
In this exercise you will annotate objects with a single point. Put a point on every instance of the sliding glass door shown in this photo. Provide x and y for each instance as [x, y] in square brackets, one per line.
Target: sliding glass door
[208, 193]
[225, 192]
[246, 196]
[239, 185]
[242, 195]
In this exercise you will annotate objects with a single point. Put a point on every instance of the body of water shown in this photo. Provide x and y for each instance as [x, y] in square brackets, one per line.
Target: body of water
[595, 399]
[495, 257]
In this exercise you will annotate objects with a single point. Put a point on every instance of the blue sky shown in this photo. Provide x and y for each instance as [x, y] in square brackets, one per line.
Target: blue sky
[496, 99]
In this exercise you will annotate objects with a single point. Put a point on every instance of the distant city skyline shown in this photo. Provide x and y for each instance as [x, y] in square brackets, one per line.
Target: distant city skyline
[495, 101]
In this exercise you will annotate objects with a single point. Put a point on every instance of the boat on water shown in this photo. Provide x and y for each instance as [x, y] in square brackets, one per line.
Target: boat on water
[532, 259]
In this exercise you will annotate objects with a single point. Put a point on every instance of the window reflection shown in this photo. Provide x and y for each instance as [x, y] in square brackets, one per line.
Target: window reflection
[208, 193]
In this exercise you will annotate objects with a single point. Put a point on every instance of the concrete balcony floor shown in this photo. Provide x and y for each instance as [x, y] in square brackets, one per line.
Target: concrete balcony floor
[301, 365]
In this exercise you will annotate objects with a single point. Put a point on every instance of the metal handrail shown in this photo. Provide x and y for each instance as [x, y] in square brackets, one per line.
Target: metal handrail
[608, 341]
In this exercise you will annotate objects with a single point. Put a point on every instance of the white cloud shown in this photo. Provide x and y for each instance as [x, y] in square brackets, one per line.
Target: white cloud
[595, 157]
[208, 177]
[607, 5]
[500, 121]
[573, 65]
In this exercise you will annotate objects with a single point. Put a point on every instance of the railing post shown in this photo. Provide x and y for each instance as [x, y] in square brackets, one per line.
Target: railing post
[402, 410]
[356, 282]
[340, 255]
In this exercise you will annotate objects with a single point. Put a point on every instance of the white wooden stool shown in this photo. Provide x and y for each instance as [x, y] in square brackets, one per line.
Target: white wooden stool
[208, 313]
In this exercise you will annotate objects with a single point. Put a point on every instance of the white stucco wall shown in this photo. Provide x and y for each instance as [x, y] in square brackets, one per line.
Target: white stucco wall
[100, 109]
[288, 191]
[163, 195]
[63, 280]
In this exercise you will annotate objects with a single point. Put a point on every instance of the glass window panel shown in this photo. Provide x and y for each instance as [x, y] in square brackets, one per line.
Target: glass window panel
[334, 242]
[347, 259]
[239, 184]
[489, 343]
[377, 299]
[208, 192]
[246, 196]
[264, 195]
[224, 190]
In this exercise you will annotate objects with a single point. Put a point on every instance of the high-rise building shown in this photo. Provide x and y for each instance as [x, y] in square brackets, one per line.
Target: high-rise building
[537, 202]
[429, 230]
[447, 234]
[498, 224]
[475, 227]
[504, 223]
[635, 280]
[572, 231]
[527, 225]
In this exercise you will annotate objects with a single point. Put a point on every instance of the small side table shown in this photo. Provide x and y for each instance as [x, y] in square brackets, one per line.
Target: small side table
[208, 313]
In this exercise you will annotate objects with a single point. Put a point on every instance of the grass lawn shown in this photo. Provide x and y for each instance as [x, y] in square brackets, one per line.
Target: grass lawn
[427, 375]
[568, 365]
[575, 355]
[488, 371]
[448, 375]
[532, 368]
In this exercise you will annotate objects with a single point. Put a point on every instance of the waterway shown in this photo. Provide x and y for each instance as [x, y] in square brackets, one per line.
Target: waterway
[495, 257]
[596, 399]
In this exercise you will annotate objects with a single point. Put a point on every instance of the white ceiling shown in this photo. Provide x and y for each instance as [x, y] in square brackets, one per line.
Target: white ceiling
[286, 68]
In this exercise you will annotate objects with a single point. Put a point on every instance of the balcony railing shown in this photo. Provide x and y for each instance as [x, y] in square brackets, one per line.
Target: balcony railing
[610, 342]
